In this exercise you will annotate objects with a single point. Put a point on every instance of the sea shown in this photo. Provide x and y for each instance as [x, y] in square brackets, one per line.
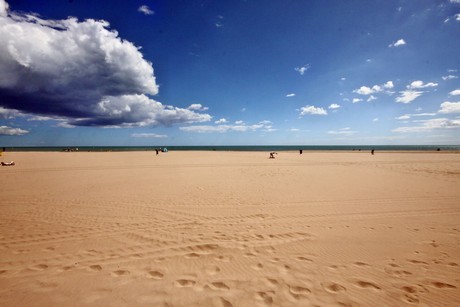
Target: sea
[244, 148]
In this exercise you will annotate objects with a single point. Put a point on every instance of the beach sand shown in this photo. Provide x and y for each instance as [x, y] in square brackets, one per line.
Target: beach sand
[230, 229]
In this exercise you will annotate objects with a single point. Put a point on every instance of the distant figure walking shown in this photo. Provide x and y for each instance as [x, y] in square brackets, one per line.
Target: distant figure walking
[156, 149]
[300, 151]
[272, 155]
[372, 151]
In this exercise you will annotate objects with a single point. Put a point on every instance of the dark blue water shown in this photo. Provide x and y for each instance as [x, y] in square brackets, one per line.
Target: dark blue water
[249, 148]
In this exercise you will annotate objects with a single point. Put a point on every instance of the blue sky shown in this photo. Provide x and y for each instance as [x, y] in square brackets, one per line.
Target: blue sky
[80, 72]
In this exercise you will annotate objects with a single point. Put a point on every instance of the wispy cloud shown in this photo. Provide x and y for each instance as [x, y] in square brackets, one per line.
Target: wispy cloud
[221, 121]
[197, 107]
[148, 135]
[399, 42]
[356, 100]
[342, 131]
[301, 70]
[312, 110]
[412, 92]
[420, 84]
[449, 77]
[290, 95]
[450, 107]
[334, 106]
[145, 10]
[5, 130]
[265, 126]
[455, 92]
[429, 125]
[407, 96]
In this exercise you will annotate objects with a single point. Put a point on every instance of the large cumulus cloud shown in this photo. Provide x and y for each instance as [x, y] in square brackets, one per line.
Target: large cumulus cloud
[79, 71]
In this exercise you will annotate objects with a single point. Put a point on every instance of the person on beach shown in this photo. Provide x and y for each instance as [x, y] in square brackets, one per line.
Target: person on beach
[300, 151]
[156, 149]
[372, 151]
[8, 163]
[272, 155]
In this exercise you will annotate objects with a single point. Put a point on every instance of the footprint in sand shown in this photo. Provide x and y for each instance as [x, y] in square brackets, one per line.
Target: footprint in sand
[223, 258]
[409, 289]
[359, 263]
[333, 287]
[182, 283]
[367, 285]
[305, 259]
[272, 282]
[192, 256]
[95, 267]
[212, 269]
[119, 273]
[218, 285]
[258, 266]
[298, 291]
[40, 267]
[266, 297]
[441, 285]
[155, 274]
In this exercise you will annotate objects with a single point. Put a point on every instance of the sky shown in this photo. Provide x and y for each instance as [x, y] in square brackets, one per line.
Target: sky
[242, 72]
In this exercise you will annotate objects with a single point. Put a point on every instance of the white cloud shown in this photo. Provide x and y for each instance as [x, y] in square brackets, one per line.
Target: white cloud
[368, 60]
[455, 92]
[408, 116]
[294, 130]
[145, 10]
[356, 100]
[241, 127]
[342, 131]
[197, 107]
[5, 130]
[80, 72]
[3, 8]
[239, 122]
[343, 78]
[407, 96]
[365, 90]
[290, 95]
[430, 124]
[334, 106]
[457, 17]
[148, 135]
[301, 70]
[449, 77]
[419, 84]
[399, 42]
[312, 110]
[8, 113]
[450, 107]
[388, 85]
[375, 119]
[219, 23]
[454, 1]
[221, 121]
[371, 97]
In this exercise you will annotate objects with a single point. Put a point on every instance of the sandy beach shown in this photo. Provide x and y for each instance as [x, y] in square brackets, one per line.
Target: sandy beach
[230, 229]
